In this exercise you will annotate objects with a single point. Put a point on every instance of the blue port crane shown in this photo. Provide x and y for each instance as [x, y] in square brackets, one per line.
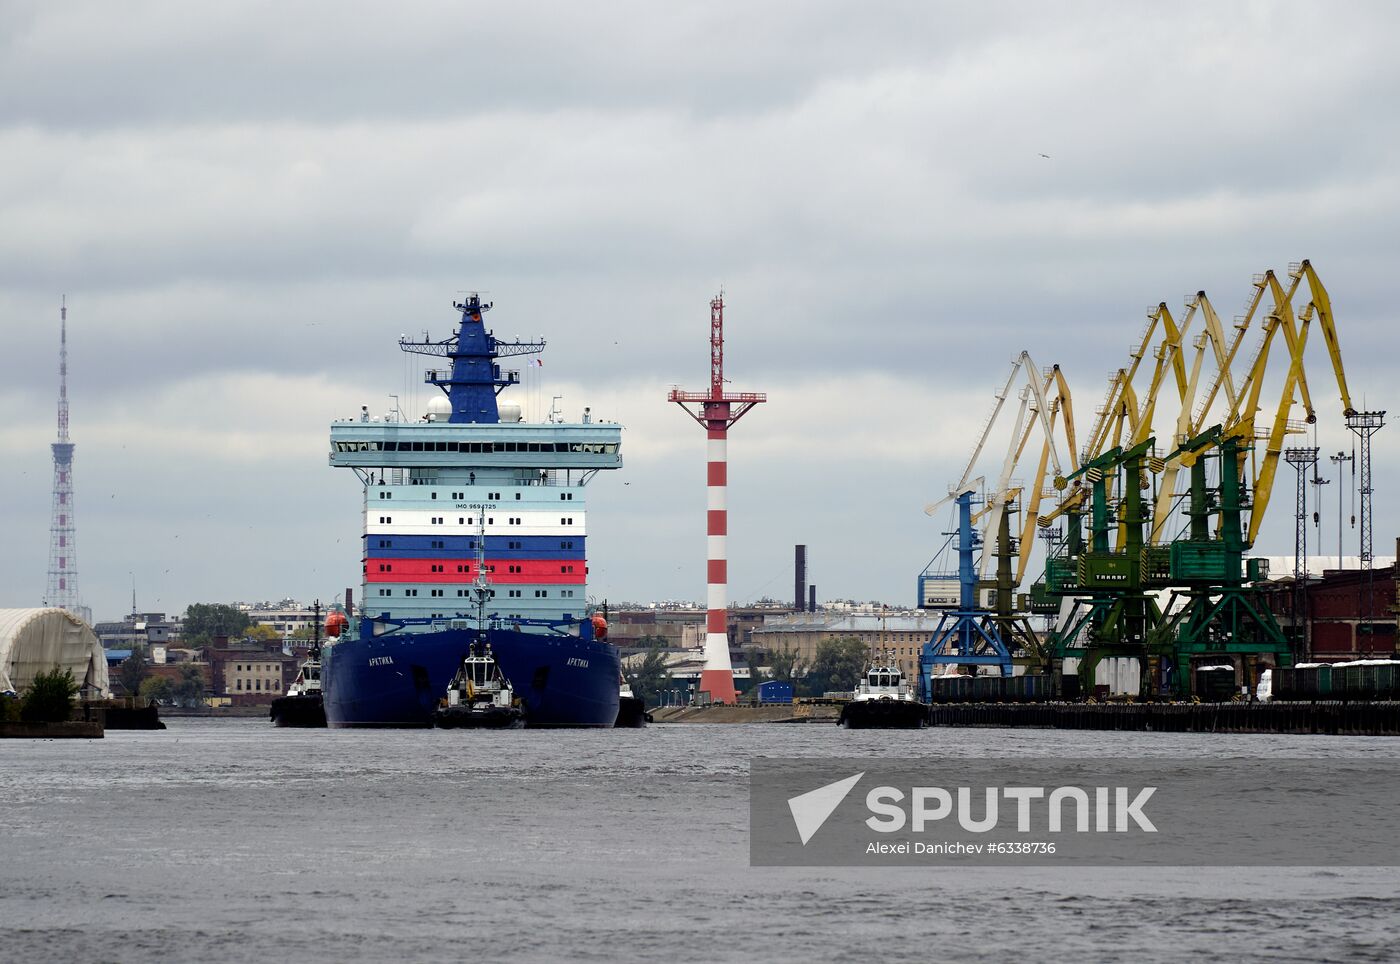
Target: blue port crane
[968, 633]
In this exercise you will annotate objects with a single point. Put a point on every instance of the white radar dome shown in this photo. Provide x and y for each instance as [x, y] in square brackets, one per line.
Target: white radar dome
[439, 409]
[509, 411]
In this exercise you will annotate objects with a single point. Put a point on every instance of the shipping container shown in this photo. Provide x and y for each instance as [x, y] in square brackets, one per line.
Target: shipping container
[774, 691]
[1368, 679]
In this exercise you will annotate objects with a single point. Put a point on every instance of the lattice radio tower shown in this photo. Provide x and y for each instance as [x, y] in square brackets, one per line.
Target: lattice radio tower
[63, 545]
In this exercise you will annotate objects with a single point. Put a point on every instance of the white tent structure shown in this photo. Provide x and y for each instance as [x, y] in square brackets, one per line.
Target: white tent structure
[33, 641]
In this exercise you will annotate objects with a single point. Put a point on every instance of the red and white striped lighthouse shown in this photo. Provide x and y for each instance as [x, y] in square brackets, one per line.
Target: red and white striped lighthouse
[717, 411]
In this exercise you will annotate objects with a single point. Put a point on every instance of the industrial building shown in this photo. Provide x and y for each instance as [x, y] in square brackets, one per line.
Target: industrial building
[801, 633]
[1343, 614]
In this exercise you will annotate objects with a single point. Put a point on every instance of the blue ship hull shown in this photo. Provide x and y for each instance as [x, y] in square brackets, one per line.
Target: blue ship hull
[397, 679]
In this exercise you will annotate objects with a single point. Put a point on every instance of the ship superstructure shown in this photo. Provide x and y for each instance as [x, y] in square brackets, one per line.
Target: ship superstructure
[471, 470]
[433, 486]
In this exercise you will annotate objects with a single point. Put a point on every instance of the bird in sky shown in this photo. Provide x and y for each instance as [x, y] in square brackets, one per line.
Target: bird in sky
[1046, 156]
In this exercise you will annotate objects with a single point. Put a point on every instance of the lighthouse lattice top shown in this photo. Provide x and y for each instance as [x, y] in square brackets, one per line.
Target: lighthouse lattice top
[710, 412]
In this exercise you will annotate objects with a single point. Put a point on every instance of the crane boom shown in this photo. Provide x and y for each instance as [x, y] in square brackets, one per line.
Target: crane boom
[1264, 481]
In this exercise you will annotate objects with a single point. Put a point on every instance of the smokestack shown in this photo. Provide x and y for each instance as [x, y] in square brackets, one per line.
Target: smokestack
[812, 599]
[799, 594]
[349, 602]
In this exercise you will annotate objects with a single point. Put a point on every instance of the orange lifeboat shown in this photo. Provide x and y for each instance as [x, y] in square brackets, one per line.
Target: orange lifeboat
[336, 624]
[600, 627]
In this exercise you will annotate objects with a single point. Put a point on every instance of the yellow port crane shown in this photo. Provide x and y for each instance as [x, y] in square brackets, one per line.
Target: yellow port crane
[1239, 423]
[1191, 414]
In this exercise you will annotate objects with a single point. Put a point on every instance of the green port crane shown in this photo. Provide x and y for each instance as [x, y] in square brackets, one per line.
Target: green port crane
[1211, 609]
[1111, 613]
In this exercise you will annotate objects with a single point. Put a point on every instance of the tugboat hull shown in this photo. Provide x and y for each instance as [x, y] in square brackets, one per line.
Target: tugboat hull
[632, 712]
[884, 715]
[490, 718]
[304, 711]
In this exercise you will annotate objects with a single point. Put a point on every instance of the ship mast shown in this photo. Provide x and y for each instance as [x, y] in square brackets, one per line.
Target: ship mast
[474, 380]
[481, 587]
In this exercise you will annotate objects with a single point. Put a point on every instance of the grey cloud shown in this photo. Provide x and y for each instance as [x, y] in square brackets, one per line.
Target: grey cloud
[285, 188]
[174, 63]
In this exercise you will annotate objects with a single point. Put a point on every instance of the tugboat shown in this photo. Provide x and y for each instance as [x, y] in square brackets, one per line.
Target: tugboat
[302, 705]
[631, 709]
[884, 699]
[479, 696]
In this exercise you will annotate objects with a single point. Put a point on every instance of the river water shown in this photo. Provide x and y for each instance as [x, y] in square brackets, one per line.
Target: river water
[233, 841]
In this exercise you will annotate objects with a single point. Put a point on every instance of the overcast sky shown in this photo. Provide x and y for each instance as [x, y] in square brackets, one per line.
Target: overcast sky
[247, 203]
